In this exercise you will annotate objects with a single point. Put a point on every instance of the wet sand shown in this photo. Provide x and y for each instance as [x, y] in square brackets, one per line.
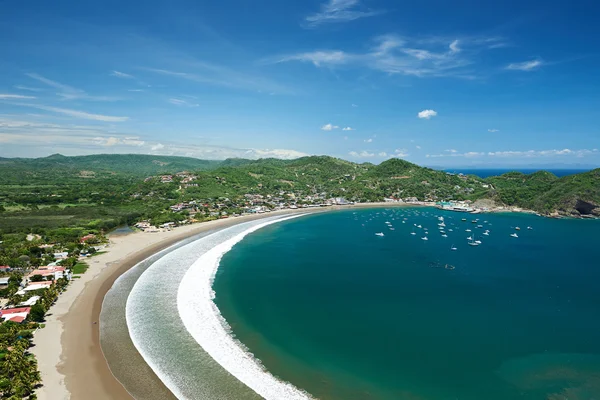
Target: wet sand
[68, 349]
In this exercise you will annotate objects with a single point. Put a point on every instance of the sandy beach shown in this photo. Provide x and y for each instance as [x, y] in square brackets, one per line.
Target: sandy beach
[68, 349]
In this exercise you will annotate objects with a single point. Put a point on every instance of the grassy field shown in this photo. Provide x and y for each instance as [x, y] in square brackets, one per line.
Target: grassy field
[80, 268]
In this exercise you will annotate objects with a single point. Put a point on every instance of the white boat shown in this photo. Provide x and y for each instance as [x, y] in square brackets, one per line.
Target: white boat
[514, 235]
[392, 229]
[419, 226]
[444, 235]
[450, 230]
[486, 233]
[379, 234]
[480, 226]
[470, 238]
[442, 224]
[478, 241]
[530, 228]
[403, 222]
[517, 228]
[424, 238]
[452, 248]
[467, 230]
[413, 233]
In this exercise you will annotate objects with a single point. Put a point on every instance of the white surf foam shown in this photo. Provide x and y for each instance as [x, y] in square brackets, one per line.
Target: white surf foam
[207, 326]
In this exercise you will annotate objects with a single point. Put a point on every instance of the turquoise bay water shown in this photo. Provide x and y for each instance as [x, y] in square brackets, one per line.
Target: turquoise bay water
[329, 306]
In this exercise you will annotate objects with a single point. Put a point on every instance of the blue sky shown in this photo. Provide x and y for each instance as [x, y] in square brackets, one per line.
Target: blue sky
[463, 83]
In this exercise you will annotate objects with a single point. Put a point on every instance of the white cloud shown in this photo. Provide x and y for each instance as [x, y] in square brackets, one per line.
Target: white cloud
[363, 154]
[15, 96]
[382, 154]
[329, 127]
[157, 146]
[525, 65]
[75, 113]
[427, 114]
[119, 74]
[339, 11]
[451, 151]
[369, 140]
[180, 102]
[354, 105]
[347, 129]
[418, 147]
[401, 153]
[135, 90]
[493, 130]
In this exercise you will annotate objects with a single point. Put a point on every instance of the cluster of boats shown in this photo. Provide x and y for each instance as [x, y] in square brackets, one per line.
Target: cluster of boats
[472, 239]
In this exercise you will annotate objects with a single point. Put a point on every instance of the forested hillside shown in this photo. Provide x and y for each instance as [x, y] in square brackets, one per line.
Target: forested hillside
[102, 191]
[23, 170]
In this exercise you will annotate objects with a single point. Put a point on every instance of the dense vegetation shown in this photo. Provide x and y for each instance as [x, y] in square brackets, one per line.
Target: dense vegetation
[542, 191]
[103, 191]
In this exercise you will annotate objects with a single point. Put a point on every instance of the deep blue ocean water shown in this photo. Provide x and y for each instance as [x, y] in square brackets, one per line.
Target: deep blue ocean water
[485, 172]
[329, 306]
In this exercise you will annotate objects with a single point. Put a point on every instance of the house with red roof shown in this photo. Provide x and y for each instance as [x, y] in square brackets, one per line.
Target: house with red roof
[15, 314]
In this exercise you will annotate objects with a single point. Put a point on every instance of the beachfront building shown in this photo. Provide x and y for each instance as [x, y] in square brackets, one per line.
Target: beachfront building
[50, 273]
[15, 314]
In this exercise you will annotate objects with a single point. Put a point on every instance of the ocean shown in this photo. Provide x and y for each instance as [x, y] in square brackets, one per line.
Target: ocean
[335, 310]
[487, 172]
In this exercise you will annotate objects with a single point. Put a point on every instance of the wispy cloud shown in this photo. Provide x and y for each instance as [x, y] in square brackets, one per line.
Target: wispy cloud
[319, 58]
[393, 54]
[15, 96]
[120, 74]
[30, 89]
[369, 140]
[68, 92]
[135, 90]
[531, 65]
[335, 11]
[579, 153]
[493, 130]
[181, 102]
[217, 75]
[74, 113]
[348, 129]
[329, 127]
[355, 105]
[427, 114]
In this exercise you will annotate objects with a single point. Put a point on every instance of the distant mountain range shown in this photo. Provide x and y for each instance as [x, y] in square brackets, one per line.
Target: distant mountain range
[544, 192]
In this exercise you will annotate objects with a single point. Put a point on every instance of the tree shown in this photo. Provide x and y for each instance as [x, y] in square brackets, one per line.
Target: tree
[37, 313]
[36, 278]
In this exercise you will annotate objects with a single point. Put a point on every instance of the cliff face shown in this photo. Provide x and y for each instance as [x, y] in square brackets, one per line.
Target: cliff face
[587, 208]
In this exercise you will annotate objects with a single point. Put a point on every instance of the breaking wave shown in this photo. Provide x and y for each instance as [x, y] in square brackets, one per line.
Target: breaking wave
[204, 322]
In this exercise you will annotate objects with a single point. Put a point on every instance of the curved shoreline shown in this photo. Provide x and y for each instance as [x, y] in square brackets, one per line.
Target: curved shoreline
[68, 349]
[203, 320]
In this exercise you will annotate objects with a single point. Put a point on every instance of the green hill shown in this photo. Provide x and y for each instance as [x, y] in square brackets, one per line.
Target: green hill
[19, 170]
[113, 179]
[542, 191]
